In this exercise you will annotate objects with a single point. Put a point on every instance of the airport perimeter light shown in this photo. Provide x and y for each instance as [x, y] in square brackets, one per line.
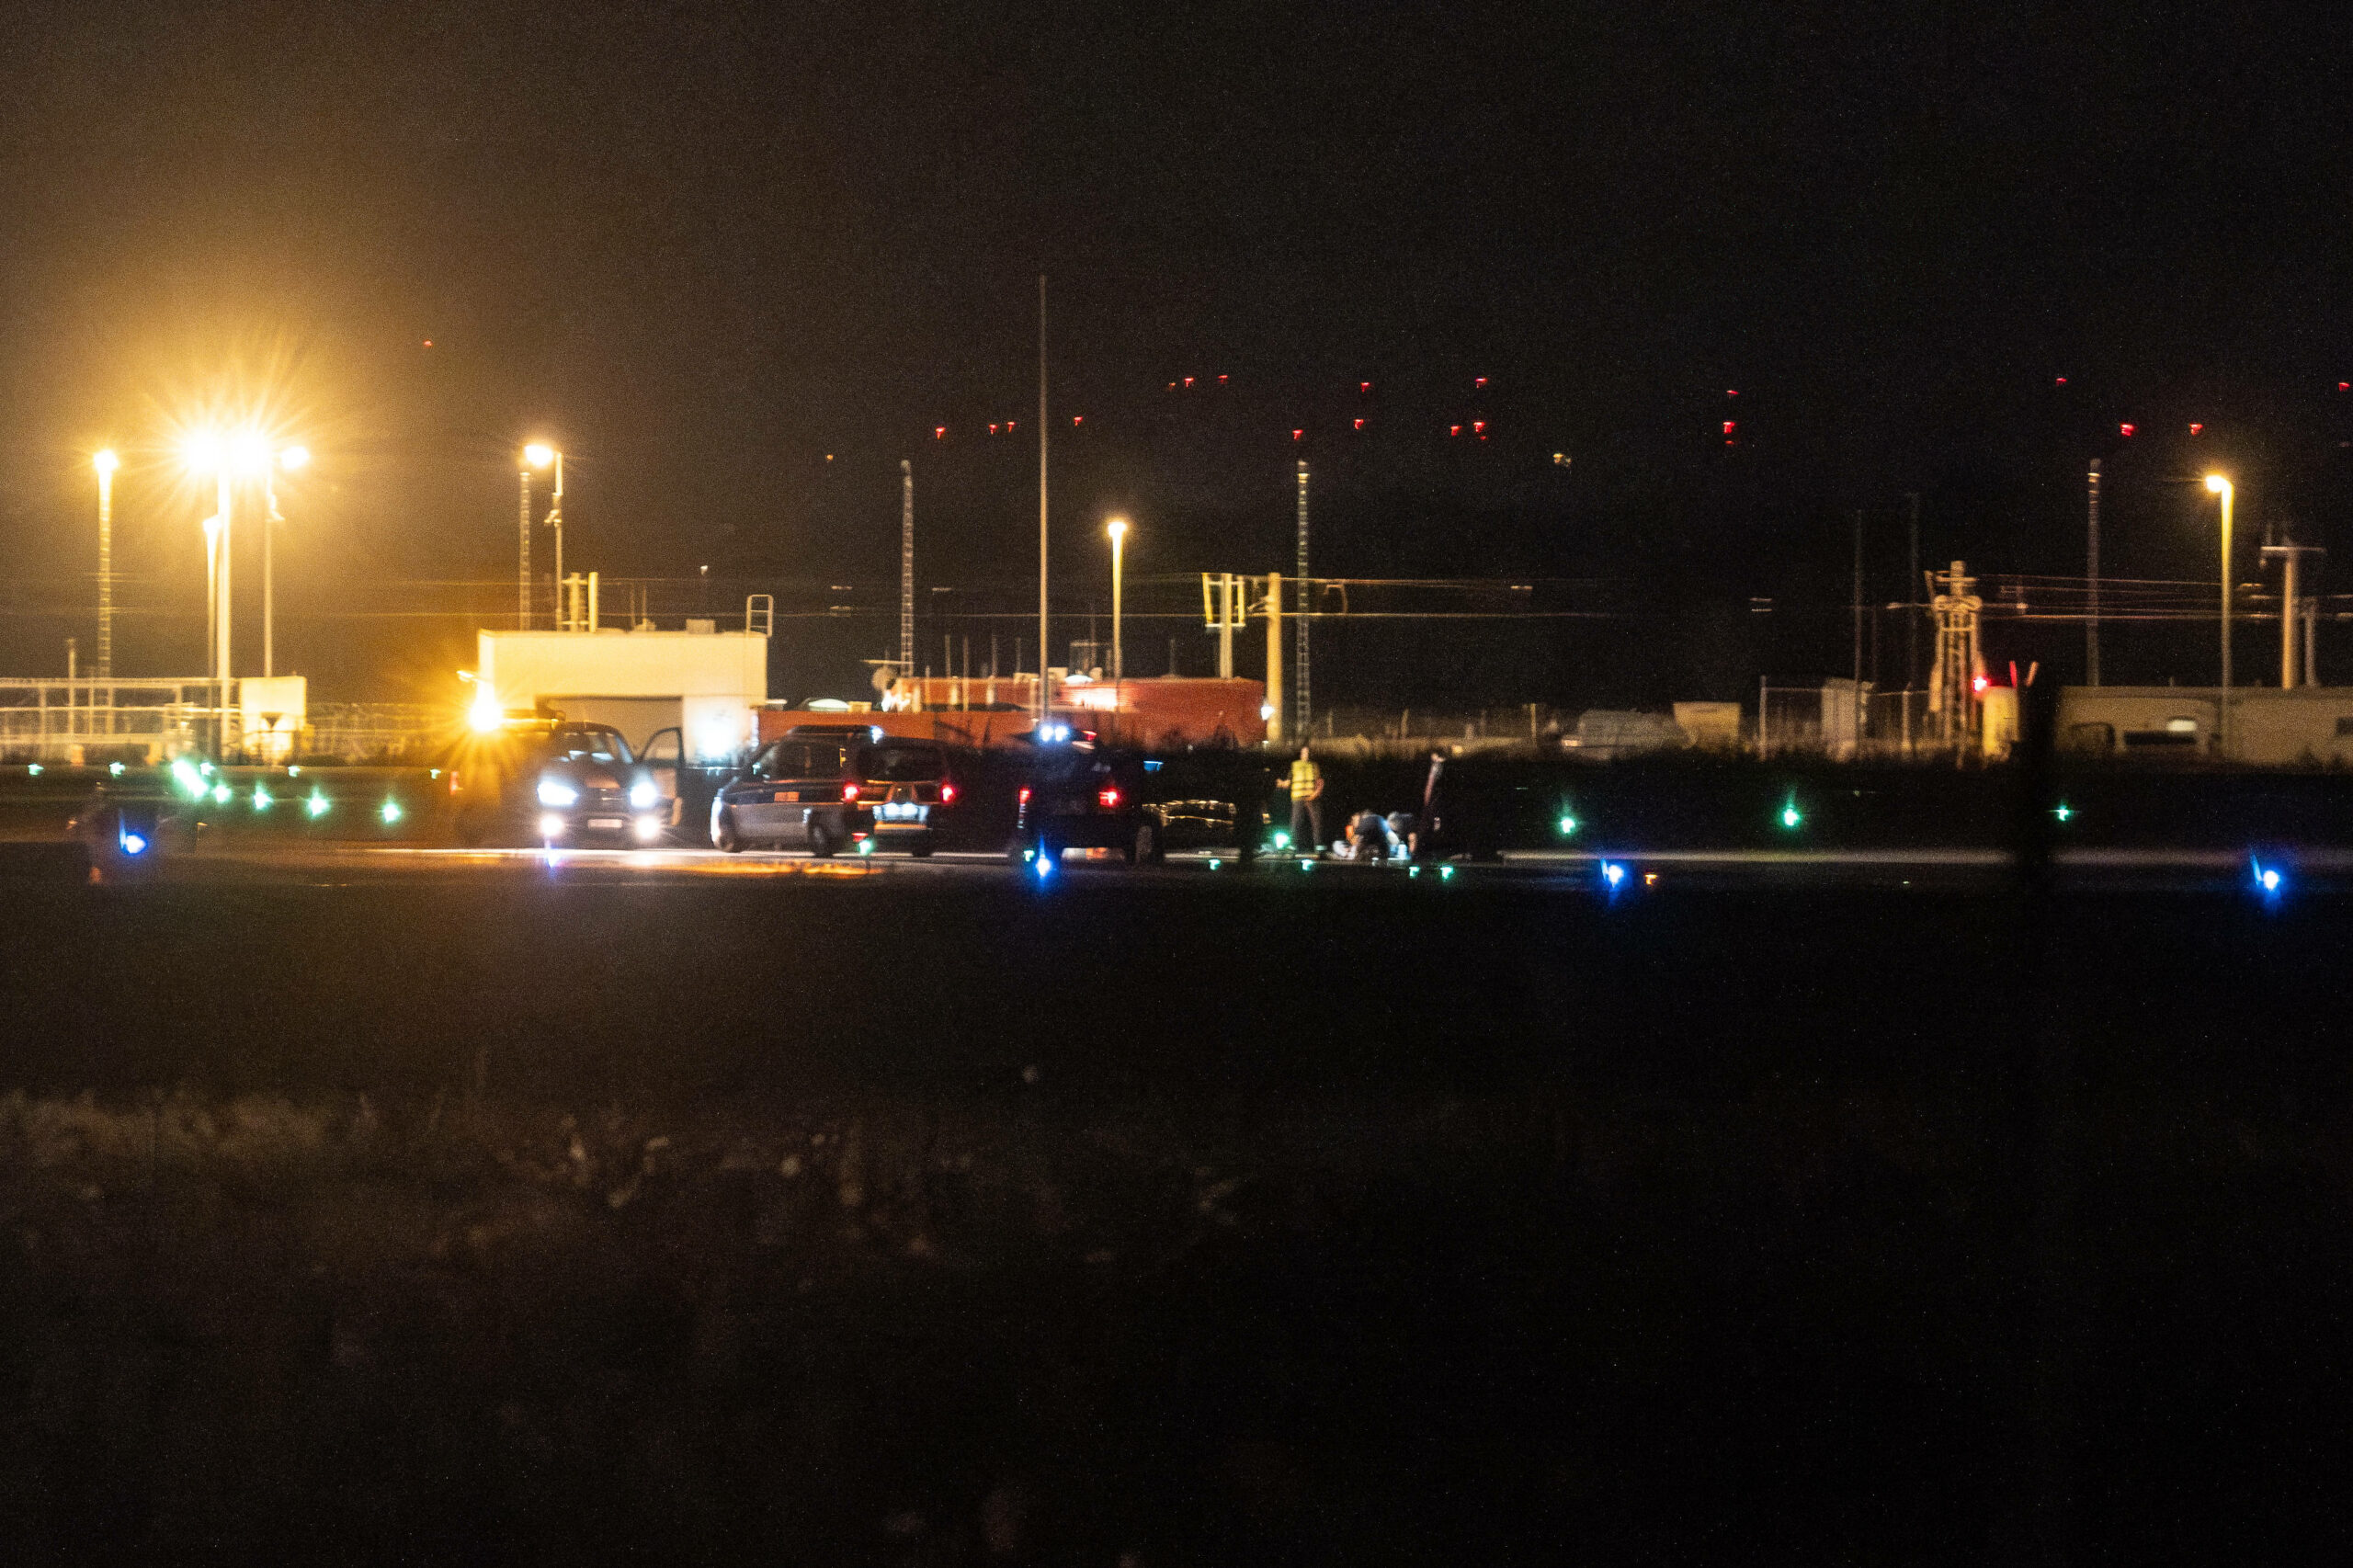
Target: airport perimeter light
[2223, 488]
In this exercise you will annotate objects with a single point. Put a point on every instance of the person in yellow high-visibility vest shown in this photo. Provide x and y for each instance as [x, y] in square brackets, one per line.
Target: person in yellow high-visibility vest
[1307, 803]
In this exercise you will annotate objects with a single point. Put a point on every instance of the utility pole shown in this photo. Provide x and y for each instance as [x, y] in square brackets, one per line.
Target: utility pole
[1042, 634]
[2292, 607]
[1858, 600]
[1275, 657]
[907, 568]
[1304, 727]
[1952, 694]
[1912, 600]
[2091, 566]
[1229, 616]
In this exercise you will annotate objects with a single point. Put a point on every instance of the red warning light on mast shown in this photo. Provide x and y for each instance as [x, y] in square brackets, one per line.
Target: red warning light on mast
[2124, 429]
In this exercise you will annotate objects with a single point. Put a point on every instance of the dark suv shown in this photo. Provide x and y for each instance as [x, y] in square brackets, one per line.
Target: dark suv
[804, 789]
[909, 792]
[1084, 796]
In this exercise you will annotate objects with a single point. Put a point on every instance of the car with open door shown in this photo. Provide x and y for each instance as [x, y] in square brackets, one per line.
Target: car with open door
[556, 782]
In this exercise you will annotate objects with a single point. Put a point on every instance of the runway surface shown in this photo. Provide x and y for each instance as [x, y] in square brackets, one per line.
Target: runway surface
[1932, 867]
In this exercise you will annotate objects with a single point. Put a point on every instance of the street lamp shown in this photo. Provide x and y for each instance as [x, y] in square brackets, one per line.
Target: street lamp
[205, 452]
[291, 459]
[2223, 487]
[106, 462]
[540, 455]
[1117, 528]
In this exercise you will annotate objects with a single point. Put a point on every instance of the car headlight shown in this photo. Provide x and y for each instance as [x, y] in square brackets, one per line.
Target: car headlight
[643, 796]
[556, 792]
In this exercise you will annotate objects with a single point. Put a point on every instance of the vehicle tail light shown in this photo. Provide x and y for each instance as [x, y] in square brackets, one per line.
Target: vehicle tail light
[1025, 794]
[1110, 799]
[948, 792]
[849, 791]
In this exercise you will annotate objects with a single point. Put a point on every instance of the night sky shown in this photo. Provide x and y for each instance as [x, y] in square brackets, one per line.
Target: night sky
[704, 246]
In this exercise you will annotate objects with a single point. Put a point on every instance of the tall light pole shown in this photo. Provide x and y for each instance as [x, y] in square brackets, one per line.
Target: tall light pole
[1044, 699]
[2223, 487]
[523, 551]
[205, 453]
[1117, 528]
[106, 462]
[291, 459]
[540, 455]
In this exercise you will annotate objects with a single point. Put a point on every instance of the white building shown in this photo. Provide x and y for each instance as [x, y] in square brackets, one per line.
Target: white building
[708, 682]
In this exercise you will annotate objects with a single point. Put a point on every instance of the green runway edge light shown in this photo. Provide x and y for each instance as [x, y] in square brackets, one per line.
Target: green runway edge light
[2062, 811]
[317, 804]
[1791, 818]
[1568, 824]
[391, 812]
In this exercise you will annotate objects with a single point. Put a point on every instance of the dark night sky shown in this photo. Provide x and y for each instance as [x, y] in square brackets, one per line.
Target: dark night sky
[705, 246]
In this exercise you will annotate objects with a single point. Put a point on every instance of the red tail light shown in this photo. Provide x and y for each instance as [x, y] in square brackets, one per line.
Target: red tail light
[1025, 794]
[453, 781]
[1110, 799]
[948, 792]
[849, 791]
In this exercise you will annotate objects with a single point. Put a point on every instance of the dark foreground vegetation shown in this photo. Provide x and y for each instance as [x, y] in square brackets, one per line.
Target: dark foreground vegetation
[1283, 1218]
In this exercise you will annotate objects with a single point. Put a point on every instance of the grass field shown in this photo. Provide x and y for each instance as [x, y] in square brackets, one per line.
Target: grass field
[1262, 1219]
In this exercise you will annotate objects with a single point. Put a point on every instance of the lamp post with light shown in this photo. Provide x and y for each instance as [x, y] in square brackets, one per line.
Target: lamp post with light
[1117, 528]
[205, 455]
[106, 462]
[540, 455]
[2223, 488]
[291, 459]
